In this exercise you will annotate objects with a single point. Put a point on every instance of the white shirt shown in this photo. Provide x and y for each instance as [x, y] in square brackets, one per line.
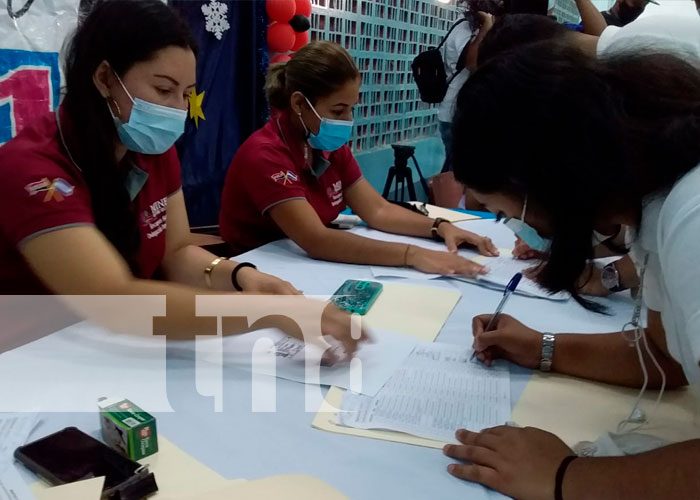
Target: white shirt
[451, 50]
[677, 34]
[670, 233]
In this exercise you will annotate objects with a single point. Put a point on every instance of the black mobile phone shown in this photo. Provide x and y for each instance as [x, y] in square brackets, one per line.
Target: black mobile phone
[71, 455]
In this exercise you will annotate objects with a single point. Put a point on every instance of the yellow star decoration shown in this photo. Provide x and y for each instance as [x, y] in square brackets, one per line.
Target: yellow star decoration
[196, 111]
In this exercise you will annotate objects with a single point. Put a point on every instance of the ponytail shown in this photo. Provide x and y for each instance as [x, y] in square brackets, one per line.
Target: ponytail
[276, 86]
[316, 70]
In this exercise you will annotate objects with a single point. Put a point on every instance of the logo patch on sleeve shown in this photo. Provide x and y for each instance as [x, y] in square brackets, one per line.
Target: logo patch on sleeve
[57, 189]
[285, 177]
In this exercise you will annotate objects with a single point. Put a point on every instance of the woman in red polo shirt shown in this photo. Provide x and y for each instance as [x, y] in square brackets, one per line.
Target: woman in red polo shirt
[296, 174]
[89, 191]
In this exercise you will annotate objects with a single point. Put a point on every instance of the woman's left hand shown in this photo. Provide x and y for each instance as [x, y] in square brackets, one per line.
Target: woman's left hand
[455, 237]
[254, 281]
[518, 462]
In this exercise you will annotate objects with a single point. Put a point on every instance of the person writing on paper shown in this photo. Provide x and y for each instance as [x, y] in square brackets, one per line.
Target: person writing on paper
[92, 192]
[677, 34]
[296, 174]
[634, 121]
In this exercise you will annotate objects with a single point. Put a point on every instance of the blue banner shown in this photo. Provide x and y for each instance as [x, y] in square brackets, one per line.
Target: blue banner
[229, 104]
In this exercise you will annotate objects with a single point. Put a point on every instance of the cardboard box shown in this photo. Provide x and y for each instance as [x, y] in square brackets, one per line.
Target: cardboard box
[127, 428]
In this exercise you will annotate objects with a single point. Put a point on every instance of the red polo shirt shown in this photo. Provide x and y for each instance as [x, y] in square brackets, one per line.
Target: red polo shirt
[43, 191]
[269, 168]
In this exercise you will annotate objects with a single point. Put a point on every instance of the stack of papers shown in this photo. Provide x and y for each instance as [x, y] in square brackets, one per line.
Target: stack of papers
[271, 352]
[14, 432]
[435, 392]
[503, 268]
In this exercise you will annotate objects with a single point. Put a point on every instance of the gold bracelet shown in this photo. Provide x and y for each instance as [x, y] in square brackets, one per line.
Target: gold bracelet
[405, 256]
[208, 270]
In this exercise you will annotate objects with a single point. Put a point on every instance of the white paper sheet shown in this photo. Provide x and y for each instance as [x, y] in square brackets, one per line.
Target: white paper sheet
[504, 267]
[87, 489]
[15, 429]
[271, 352]
[92, 362]
[12, 486]
[436, 391]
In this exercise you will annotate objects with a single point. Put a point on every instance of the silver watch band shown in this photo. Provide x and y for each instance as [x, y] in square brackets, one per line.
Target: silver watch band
[547, 352]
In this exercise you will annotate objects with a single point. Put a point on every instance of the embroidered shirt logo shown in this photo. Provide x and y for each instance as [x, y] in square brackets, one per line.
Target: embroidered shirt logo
[335, 193]
[57, 189]
[285, 177]
[155, 218]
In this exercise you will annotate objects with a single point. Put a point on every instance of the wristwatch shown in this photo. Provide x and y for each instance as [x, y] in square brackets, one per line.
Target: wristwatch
[610, 277]
[547, 352]
[434, 229]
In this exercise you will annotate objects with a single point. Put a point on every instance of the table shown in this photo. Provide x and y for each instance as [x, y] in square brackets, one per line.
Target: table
[240, 444]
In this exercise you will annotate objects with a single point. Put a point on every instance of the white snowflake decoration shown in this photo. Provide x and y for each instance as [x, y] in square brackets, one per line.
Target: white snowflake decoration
[216, 16]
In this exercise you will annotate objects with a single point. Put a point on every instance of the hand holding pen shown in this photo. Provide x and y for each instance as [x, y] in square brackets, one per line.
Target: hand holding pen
[512, 285]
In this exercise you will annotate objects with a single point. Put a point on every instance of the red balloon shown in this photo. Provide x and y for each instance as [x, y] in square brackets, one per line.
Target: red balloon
[303, 7]
[280, 58]
[301, 39]
[280, 37]
[280, 10]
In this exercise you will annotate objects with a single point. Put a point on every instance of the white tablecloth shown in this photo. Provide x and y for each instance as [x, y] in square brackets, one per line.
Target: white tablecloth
[238, 443]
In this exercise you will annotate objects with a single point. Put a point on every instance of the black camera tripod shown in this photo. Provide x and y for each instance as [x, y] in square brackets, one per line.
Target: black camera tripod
[401, 174]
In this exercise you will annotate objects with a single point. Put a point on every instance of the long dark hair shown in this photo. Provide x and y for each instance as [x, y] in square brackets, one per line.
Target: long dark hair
[122, 32]
[513, 30]
[585, 139]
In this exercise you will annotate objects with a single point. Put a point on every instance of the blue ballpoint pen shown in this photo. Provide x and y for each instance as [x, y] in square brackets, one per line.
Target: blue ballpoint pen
[512, 285]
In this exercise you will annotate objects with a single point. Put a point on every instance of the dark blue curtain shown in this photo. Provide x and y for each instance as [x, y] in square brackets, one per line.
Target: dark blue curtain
[231, 73]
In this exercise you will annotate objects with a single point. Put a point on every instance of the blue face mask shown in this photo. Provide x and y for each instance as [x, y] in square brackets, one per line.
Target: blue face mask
[332, 134]
[152, 129]
[527, 233]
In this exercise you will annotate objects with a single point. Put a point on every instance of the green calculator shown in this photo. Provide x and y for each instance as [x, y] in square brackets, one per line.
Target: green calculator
[357, 296]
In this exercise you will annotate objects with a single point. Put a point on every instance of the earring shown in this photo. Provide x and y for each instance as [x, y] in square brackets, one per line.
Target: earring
[112, 100]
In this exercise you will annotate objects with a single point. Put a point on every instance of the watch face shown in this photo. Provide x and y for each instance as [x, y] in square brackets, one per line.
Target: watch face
[610, 277]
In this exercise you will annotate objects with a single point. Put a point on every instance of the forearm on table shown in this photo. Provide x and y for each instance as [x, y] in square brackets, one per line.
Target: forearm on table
[591, 280]
[628, 272]
[392, 218]
[186, 266]
[668, 472]
[591, 283]
[609, 358]
[181, 321]
[341, 246]
[602, 251]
